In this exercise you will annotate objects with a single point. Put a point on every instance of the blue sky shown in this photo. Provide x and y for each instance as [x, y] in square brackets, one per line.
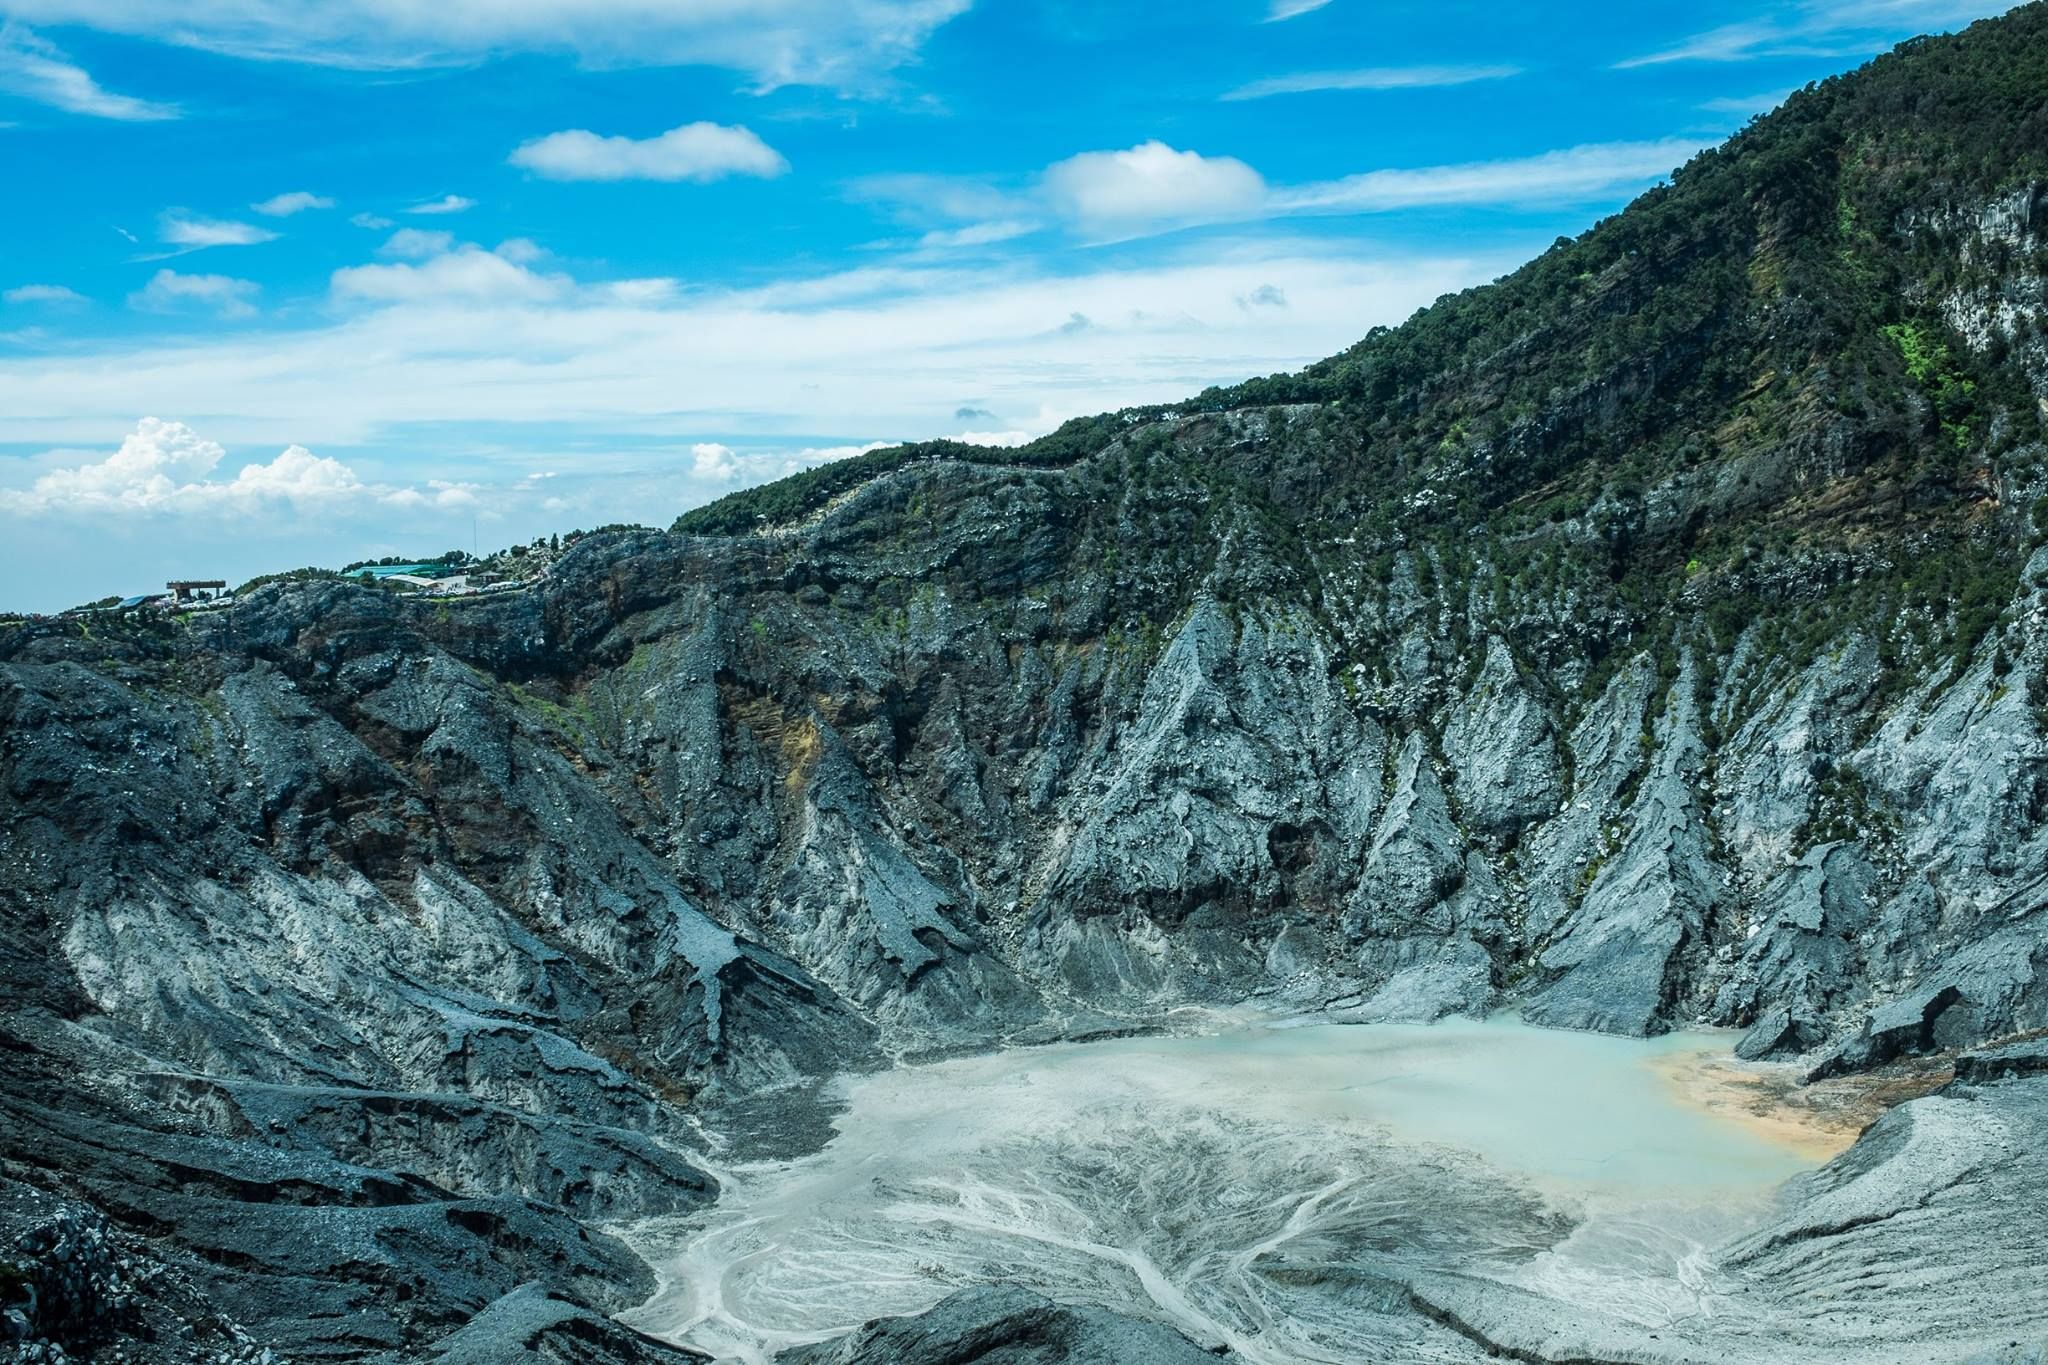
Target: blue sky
[289, 282]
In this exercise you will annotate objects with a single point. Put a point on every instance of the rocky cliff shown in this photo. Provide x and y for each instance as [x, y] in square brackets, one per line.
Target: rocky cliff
[1657, 636]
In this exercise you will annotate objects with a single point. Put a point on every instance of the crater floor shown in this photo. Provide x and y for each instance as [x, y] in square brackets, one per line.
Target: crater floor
[1269, 1188]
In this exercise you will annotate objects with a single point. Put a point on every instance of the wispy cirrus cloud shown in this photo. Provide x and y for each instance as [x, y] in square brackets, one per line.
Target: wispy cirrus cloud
[447, 203]
[181, 229]
[773, 42]
[1370, 78]
[697, 152]
[37, 70]
[469, 337]
[1558, 177]
[1748, 105]
[1822, 28]
[1279, 10]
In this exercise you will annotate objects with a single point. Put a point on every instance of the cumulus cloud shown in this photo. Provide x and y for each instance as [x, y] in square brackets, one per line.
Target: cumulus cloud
[1371, 78]
[1151, 184]
[416, 244]
[37, 70]
[294, 201]
[43, 293]
[695, 151]
[447, 203]
[775, 42]
[371, 221]
[169, 292]
[193, 234]
[466, 273]
[713, 462]
[166, 467]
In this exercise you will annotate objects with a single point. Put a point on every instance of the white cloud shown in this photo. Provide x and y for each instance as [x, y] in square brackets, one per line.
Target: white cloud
[926, 199]
[978, 234]
[1152, 188]
[1553, 177]
[468, 338]
[166, 468]
[695, 151]
[641, 293]
[1823, 28]
[1149, 185]
[36, 70]
[168, 291]
[1372, 78]
[467, 272]
[713, 462]
[416, 244]
[775, 42]
[447, 203]
[952, 211]
[294, 201]
[371, 221]
[197, 233]
[43, 293]
[1291, 9]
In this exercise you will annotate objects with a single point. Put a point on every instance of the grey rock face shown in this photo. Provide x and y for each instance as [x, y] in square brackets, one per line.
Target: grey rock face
[531, 1325]
[1617, 952]
[1502, 745]
[1013, 1326]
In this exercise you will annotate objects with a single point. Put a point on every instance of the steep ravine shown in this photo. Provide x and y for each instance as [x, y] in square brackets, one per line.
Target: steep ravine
[1656, 637]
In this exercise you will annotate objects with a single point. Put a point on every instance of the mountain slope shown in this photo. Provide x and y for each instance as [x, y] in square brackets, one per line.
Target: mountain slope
[1655, 636]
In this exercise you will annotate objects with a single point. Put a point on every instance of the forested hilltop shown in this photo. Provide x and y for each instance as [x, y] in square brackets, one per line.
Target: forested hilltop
[1654, 637]
[1848, 290]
